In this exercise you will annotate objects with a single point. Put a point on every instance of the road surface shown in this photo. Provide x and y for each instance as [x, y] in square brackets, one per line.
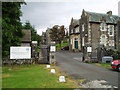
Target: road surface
[71, 64]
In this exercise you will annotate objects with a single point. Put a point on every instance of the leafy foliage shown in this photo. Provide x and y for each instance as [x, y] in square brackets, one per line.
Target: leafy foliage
[11, 25]
[57, 34]
[34, 35]
[114, 53]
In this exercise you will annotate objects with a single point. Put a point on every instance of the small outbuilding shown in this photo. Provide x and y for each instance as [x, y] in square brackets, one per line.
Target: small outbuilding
[107, 59]
[26, 40]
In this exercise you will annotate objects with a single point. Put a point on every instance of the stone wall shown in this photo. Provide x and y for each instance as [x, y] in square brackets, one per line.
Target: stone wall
[95, 36]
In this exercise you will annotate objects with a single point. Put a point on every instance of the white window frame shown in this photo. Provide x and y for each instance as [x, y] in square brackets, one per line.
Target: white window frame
[71, 41]
[77, 29]
[109, 27]
[83, 27]
[71, 30]
[83, 41]
[111, 43]
[101, 26]
[103, 41]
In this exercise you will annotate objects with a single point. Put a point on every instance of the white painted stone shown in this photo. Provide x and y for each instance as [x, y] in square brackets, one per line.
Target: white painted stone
[48, 66]
[53, 71]
[62, 79]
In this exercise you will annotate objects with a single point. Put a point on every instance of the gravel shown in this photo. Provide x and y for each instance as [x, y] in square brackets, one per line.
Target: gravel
[98, 84]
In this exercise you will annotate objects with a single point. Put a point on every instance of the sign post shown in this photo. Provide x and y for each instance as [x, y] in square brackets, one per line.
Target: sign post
[52, 53]
[21, 53]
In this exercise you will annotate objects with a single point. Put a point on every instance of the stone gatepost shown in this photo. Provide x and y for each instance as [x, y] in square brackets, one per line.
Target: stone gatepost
[52, 58]
[35, 51]
[87, 53]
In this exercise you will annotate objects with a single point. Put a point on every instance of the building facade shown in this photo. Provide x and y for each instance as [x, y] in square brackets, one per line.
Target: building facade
[74, 35]
[97, 29]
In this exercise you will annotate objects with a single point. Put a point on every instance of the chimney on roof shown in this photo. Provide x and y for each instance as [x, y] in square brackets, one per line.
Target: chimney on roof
[109, 13]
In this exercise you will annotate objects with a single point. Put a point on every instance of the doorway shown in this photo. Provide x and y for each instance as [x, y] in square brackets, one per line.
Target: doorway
[76, 43]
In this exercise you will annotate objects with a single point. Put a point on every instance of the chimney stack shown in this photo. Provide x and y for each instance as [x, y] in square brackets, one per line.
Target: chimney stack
[109, 13]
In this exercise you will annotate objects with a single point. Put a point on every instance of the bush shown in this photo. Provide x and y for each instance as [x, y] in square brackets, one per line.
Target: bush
[114, 53]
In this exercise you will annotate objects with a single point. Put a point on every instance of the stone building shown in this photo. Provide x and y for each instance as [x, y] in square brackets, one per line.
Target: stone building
[26, 40]
[43, 37]
[74, 35]
[98, 29]
[48, 39]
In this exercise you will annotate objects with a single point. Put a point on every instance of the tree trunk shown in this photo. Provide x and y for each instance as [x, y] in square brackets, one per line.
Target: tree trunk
[60, 43]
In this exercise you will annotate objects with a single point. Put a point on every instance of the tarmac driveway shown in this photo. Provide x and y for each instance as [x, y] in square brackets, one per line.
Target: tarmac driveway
[71, 64]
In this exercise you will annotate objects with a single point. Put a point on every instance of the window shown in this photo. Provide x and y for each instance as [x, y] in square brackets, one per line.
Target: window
[111, 42]
[111, 30]
[83, 27]
[71, 41]
[72, 31]
[76, 39]
[83, 42]
[103, 40]
[103, 26]
[77, 29]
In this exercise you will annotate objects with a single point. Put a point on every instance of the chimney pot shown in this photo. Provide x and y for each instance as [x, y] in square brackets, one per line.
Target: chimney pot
[109, 13]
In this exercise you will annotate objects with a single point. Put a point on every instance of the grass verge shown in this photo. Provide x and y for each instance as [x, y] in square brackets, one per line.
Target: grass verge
[58, 47]
[107, 65]
[34, 76]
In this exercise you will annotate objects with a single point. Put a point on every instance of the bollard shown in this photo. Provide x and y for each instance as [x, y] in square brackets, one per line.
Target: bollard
[62, 79]
[48, 66]
[53, 71]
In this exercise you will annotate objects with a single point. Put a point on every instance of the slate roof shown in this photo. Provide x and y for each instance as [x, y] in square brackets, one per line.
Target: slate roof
[95, 17]
[27, 37]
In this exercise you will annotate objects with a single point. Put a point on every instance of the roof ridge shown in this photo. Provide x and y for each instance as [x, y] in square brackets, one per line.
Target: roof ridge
[101, 13]
[75, 19]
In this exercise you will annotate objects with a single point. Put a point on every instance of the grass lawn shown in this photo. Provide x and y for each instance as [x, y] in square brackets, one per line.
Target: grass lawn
[108, 65]
[58, 47]
[34, 76]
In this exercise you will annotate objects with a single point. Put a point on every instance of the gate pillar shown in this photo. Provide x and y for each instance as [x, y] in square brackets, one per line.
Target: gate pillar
[52, 58]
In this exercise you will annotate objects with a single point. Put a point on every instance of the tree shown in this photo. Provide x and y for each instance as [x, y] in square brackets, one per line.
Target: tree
[11, 25]
[57, 34]
[34, 35]
[67, 35]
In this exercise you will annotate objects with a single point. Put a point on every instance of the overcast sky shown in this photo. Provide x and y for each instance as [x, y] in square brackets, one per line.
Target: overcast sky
[43, 14]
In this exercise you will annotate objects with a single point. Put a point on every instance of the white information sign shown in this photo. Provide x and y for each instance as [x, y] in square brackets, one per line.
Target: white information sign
[53, 48]
[20, 52]
[89, 49]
